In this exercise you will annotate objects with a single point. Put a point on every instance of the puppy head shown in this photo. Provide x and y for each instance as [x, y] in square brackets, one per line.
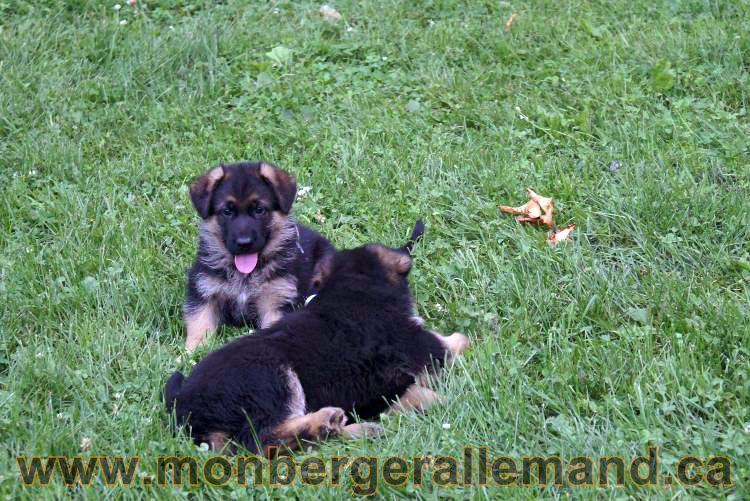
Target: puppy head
[375, 262]
[246, 201]
[375, 259]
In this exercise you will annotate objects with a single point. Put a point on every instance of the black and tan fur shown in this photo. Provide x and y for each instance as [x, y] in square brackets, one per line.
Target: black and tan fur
[260, 196]
[357, 348]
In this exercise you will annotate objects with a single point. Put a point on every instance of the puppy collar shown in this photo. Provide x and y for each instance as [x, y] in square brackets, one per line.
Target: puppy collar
[309, 298]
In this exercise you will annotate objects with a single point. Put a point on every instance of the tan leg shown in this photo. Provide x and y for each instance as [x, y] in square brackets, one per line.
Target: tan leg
[361, 430]
[200, 322]
[217, 440]
[415, 397]
[313, 426]
[455, 343]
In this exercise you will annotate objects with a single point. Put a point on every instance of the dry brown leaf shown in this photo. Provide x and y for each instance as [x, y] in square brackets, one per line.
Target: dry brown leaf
[510, 20]
[557, 235]
[540, 210]
[532, 220]
[544, 202]
[530, 209]
[547, 219]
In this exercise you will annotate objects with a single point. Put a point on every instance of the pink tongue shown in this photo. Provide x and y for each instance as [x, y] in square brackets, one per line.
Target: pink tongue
[245, 263]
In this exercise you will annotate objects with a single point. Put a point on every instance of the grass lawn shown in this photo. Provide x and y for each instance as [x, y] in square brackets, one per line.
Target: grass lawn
[635, 333]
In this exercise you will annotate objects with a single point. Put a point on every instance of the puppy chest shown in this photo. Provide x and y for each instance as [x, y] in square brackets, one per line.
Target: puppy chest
[240, 309]
[236, 297]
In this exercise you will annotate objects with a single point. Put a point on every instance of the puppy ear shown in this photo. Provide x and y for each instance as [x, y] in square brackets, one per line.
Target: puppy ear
[282, 183]
[401, 262]
[202, 188]
[416, 234]
[322, 271]
[393, 260]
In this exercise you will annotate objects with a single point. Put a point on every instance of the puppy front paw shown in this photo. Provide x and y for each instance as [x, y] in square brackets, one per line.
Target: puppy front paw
[456, 342]
[330, 420]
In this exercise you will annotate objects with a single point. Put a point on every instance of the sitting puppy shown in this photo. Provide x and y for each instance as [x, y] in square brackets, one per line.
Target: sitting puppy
[253, 261]
[357, 348]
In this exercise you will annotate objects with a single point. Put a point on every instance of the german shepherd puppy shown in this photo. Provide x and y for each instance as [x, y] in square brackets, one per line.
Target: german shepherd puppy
[253, 261]
[357, 348]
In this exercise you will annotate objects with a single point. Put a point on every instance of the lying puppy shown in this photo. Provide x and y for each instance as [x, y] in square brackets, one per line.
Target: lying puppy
[253, 261]
[357, 348]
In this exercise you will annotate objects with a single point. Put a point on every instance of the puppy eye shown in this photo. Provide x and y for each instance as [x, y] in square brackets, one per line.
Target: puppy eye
[260, 210]
[227, 211]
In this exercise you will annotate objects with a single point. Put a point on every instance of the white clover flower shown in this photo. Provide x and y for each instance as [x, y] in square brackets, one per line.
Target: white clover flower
[446, 426]
[521, 115]
[123, 22]
[85, 443]
[304, 191]
[117, 6]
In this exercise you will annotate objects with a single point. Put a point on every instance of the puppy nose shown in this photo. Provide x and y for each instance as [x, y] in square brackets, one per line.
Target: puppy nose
[244, 240]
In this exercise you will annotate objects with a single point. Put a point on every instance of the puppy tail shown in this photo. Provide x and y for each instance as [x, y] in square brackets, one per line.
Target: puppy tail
[172, 389]
[416, 234]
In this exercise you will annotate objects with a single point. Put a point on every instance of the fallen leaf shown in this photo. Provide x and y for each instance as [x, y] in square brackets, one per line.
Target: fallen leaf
[329, 12]
[510, 20]
[544, 202]
[530, 209]
[532, 220]
[547, 219]
[556, 235]
[540, 210]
